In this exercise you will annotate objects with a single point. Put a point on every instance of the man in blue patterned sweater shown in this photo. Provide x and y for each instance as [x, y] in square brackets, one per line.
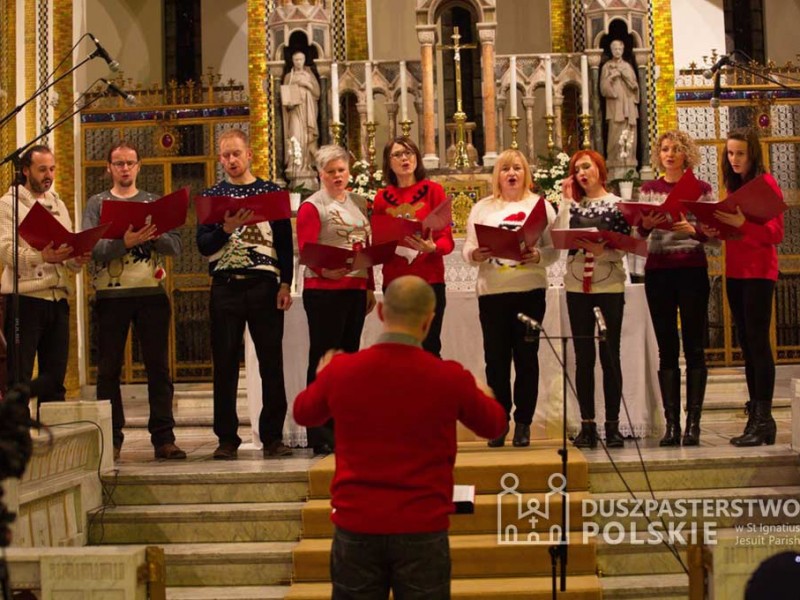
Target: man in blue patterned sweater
[251, 270]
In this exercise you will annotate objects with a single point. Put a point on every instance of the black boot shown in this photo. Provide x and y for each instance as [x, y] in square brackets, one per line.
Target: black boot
[499, 441]
[695, 394]
[669, 380]
[613, 437]
[522, 435]
[749, 410]
[587, 438]
[764, 427]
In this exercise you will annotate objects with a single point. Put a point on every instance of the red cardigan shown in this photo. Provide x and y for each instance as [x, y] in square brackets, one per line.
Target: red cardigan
[395, 408]
[755, 255]
[415, 202]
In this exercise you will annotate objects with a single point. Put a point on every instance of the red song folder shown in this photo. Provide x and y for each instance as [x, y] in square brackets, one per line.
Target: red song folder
[759, 200]
[166, 213]
[688, 188]
[566, 239]
[505, 243]
[386, 228]
[39, 228]
[321, 256]
[270, 206]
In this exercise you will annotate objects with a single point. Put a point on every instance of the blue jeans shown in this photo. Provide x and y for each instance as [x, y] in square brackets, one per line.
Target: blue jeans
[415, 566]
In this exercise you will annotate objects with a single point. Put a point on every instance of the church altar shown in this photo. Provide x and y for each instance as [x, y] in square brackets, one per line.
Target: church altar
[462, 341]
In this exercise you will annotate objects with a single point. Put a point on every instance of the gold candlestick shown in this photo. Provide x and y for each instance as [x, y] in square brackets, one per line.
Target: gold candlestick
[406, 127]
[461, 160]
[586, 122]
[336, 132]
[371, 127]
[513, 123]
[550, 119]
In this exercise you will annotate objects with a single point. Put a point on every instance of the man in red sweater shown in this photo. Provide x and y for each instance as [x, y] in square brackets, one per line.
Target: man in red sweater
[395, 408]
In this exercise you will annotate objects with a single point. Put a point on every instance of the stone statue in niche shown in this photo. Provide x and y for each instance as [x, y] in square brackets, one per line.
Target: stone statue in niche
[620, 88]
[300, 105]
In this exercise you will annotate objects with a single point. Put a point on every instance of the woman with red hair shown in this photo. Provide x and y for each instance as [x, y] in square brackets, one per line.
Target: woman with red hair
[595, 278]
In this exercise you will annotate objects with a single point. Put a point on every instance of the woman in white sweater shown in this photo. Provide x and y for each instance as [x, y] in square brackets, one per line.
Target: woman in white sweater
[507, 287]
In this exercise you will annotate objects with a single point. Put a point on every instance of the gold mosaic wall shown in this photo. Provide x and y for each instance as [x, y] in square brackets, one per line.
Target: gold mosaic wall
[666, 112]
[8, 82]
[257, 75]
[356, 28]
[560, 26]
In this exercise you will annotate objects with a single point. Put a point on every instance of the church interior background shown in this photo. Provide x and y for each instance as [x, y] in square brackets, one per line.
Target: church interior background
[528, 76]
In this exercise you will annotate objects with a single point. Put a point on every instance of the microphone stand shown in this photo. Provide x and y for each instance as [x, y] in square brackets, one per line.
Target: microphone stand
[558, 552]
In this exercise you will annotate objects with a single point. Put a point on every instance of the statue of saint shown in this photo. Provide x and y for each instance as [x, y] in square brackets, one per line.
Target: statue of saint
[300, 103]
[619, 86]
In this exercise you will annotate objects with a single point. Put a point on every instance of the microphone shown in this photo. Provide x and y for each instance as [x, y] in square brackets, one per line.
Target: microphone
[724, 60]
[532, 324]
[714, 102]
[129, 98]
[102, 53]
[601, 323]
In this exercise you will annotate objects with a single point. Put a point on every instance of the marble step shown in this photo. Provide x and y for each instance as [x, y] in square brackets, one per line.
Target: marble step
[272, 592]
[646, 587]
[196, 523]
[625, 559]
[212, 482]
[471, 556]
[236, 564]
[699, 468]
[579, 587]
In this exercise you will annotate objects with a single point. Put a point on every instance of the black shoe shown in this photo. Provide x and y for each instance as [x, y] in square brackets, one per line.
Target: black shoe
[117, 452]
[613, 437]
[669, 381]
[499, 441]
[276, 449]
[695, 393]
[522, 435]
[322, 450]
[749, 410]
[764, 428]
[587, 438]
[226, 451]
[169, 451]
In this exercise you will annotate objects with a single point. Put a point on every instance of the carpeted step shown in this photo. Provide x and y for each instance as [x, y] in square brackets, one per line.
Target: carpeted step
[471, 556]
[192, 523]
[485, 470]
[235, 564]
[579, 587]
[317, 523]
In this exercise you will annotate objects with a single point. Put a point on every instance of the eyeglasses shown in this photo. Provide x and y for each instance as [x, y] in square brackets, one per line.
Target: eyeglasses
[118, 164]
[402, 154]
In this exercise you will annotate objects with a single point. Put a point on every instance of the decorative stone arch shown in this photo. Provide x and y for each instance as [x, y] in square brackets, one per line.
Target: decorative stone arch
[637, 39]
[279, 51]
[428, 11]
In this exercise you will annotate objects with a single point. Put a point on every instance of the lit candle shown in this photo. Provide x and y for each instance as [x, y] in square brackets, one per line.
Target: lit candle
[403, 92]
[335, 91]
[584, 85]
[548, 85]
[368, 92]
[512, 86]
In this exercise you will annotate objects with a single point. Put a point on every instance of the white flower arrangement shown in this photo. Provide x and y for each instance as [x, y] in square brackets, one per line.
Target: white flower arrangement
[296, 152]
[625, 143]
[548, 178]
[363, 181]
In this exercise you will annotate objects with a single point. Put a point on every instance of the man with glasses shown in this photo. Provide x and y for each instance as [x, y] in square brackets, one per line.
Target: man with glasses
[128, 286]
[44, 279]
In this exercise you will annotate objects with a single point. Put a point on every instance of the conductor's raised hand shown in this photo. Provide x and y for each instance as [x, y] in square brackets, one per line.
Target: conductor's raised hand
[233, 221]
[134, 238]
[55, 256]
[326, 359]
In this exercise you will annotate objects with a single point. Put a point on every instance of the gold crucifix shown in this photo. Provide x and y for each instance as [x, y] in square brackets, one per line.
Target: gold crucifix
[461, 158]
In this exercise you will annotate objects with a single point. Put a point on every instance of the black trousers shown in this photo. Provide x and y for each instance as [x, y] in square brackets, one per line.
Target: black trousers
[335, 321]
[684, 291]
[751, 306]
[581, 319]
[433, 341]
[234, 304]
[150, 318]
[44, 334]
[506, 339]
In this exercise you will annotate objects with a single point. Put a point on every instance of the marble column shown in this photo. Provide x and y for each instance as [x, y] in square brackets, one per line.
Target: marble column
[558, 113]
[420, 120]
[361, 108]
[280, 148]
[642, 56]
[391, 115]
[501, 121]
[528, 103]
[427, 37]
[324, 106]
[594, 55]
[486, 33]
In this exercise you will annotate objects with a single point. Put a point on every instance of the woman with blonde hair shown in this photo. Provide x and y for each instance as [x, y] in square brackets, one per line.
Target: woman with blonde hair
[507, 287]
[676, 283]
